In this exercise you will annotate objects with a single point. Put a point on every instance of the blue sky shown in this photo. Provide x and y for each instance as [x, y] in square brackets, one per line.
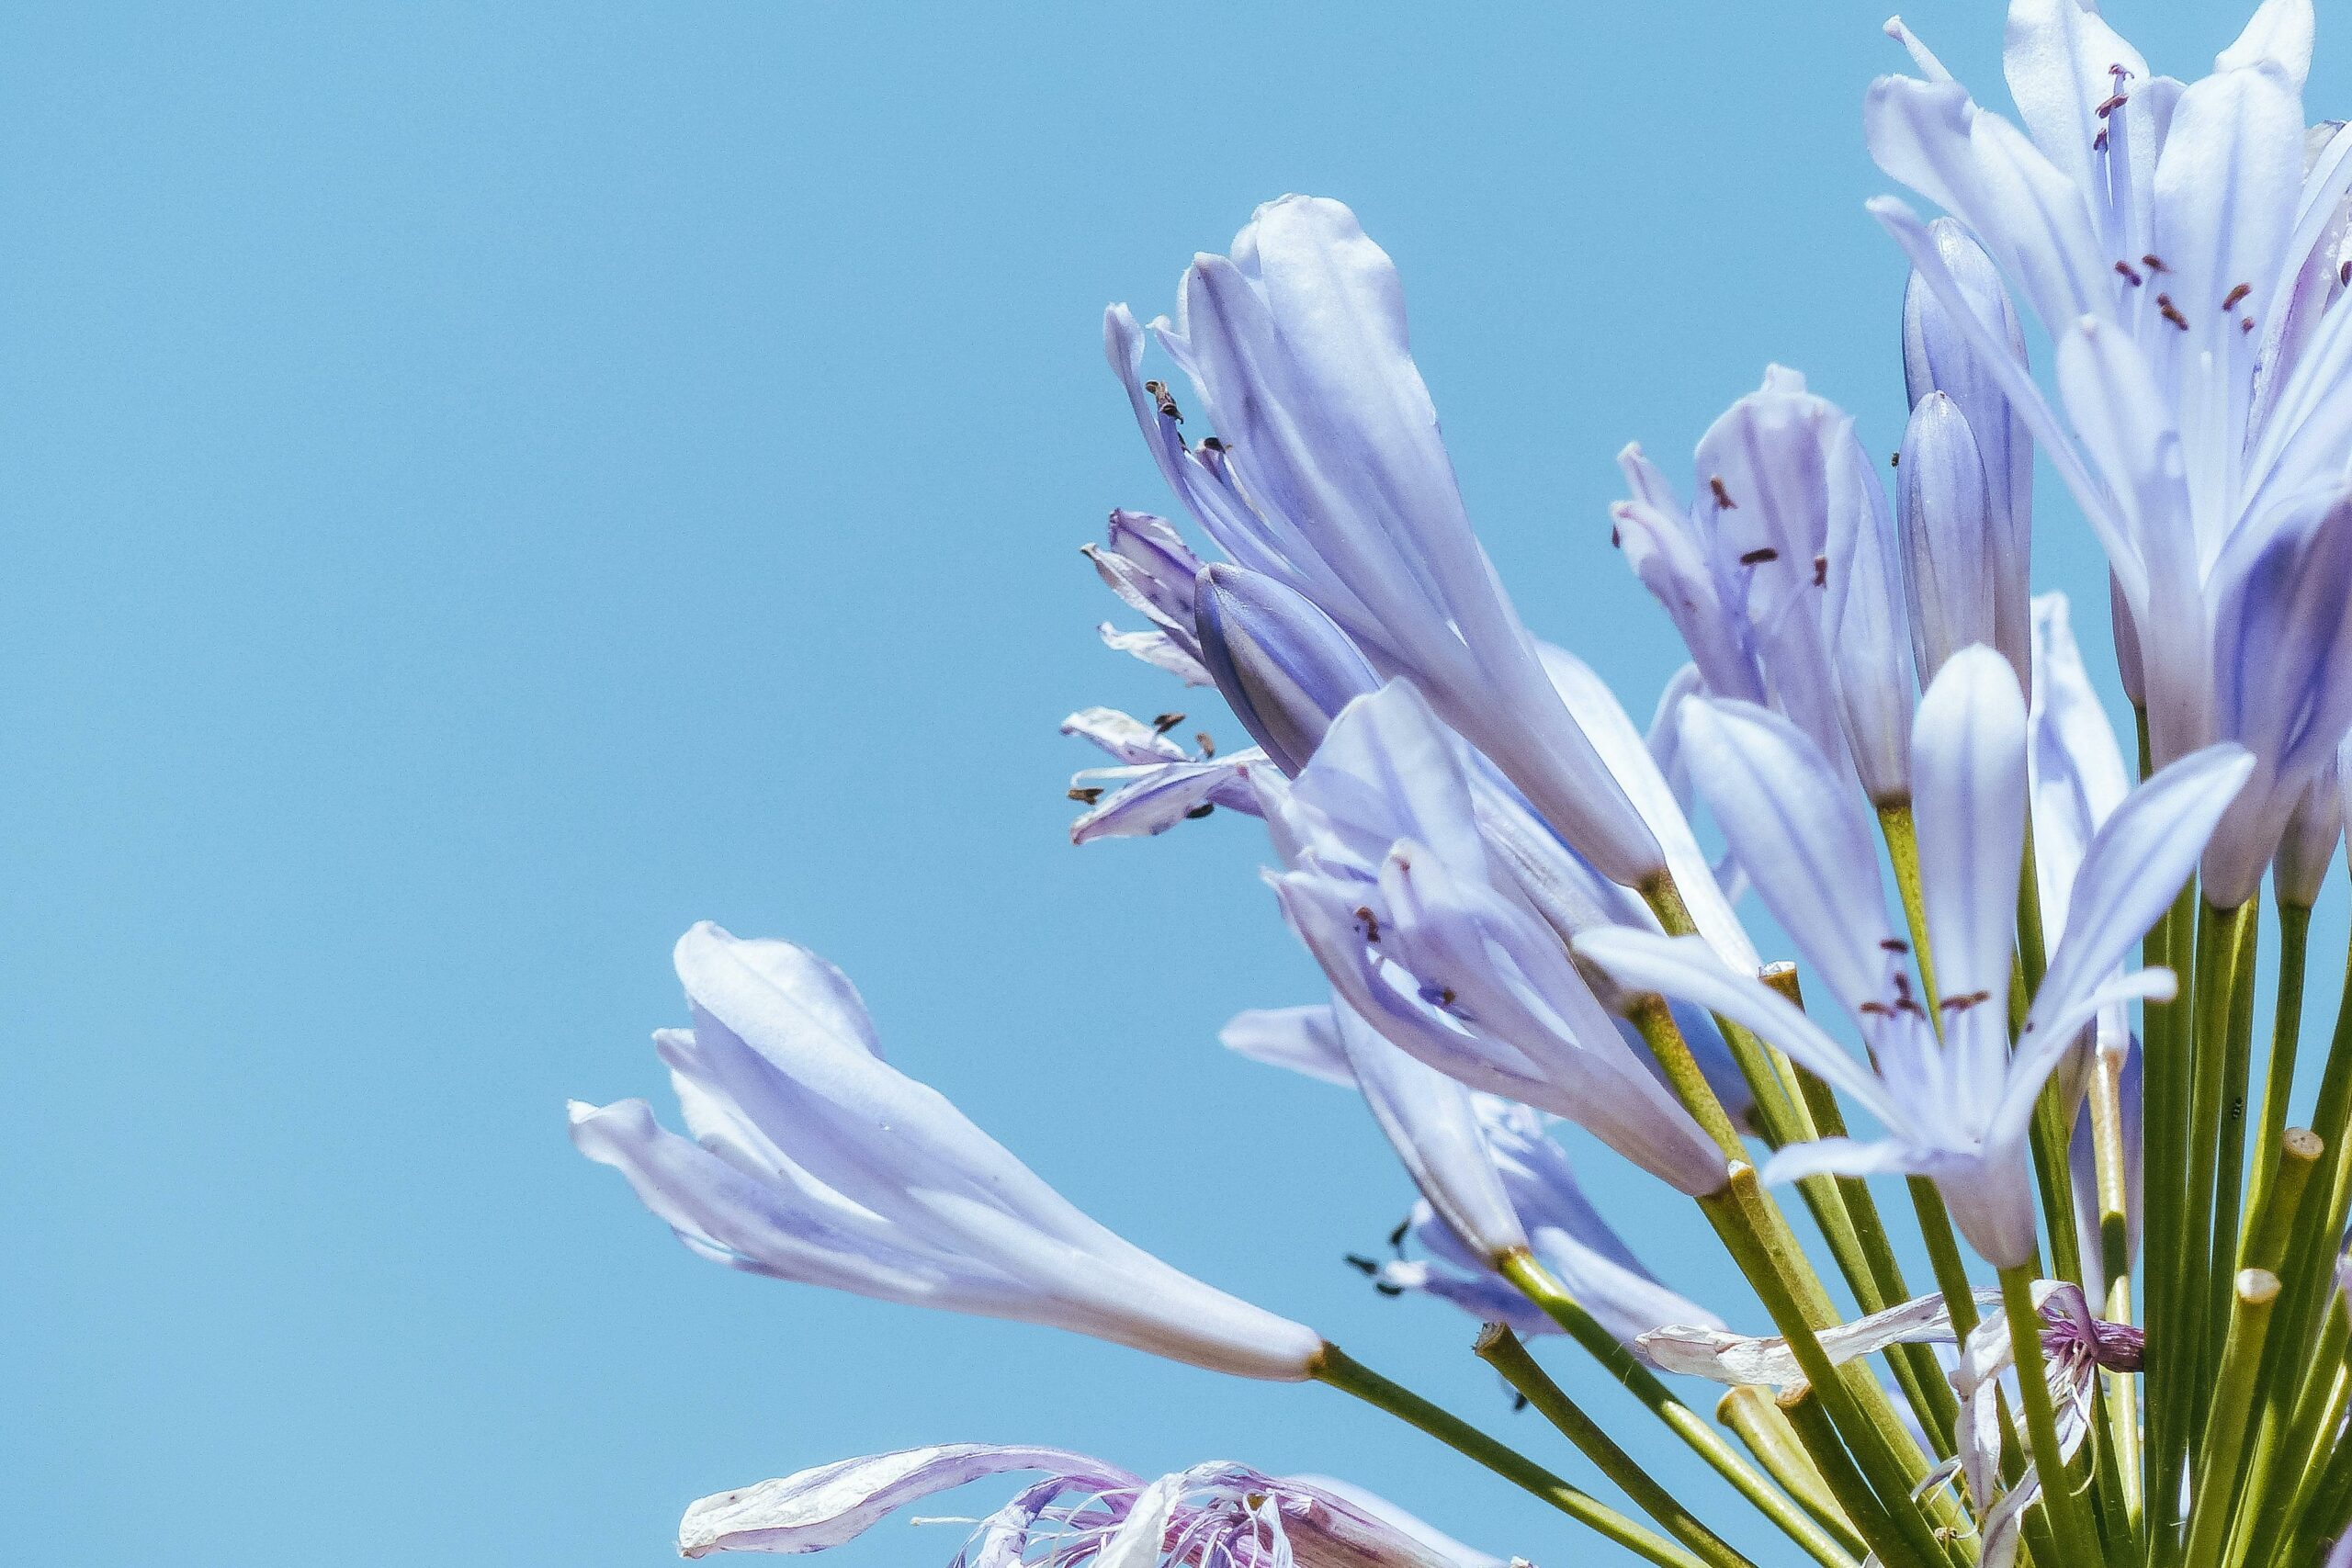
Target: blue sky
[486, 487]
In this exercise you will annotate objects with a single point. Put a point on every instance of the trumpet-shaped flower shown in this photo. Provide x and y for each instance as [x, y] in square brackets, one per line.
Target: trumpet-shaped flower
[1392, 889]
[813, 1160]
[2183, 246]
[1218, 1515]
[1784, 574]
[1953, 1099]
[1147, 563]
[1327, 474]
[1492, 1177]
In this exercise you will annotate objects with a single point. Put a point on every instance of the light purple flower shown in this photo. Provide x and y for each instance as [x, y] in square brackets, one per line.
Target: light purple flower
[1157, 782]
[1492, 1177]
[812, 1159]
[1391, 886]
[1219, 1515]
[1784, 574]
[2183, 246]
[1956, 1108]
[1147, 563]
[1284, 668]
[2313, 830]
[1327, 474]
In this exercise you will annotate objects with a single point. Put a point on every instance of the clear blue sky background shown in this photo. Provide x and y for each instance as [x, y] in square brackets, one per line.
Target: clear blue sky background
[486, 487]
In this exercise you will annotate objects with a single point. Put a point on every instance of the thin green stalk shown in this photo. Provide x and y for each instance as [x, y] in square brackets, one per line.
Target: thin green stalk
[1749, 1410]
[1500, 1348]
[1888, 1543]
[2288, 1449]
[1852, 1398]
[2119, 1393]
[2229, 1168]
[1538, 1285]
[2254, 1292]
[2167, 1064]
[2053, 1172]
[1341, 1371]
[1901, 832]
[2286, 1031]
[2070, 1525]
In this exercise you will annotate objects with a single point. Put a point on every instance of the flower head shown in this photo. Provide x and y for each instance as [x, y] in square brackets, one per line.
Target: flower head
[813, 1160]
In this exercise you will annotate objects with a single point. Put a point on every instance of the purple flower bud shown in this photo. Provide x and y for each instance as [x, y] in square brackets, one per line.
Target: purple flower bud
[1284, 667]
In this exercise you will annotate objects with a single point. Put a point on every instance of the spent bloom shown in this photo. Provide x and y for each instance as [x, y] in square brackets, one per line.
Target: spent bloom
[1218, 1515]
[1954, 1100]
[813, 1160]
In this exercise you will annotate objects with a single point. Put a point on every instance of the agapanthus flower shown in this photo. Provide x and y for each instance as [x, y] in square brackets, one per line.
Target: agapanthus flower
[1147, 563]
[813, 1160]
[1392, 888]
[1157, 782]
[1782, 575]
[2184, 248]
[1219, 1515]
[1327, 474]
[1955, 1102]
[1493, 1176]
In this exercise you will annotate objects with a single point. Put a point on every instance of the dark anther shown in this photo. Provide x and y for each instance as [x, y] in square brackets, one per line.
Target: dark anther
[2343, 275]
[2246, 324]
[1902, 985]
[1616, 540]
[2229, 300]
[1086, 796]
[2154, 264]
[2099, 143]
[1905, 1004]
[2110, 106]
[1445, 997]
[1385, 1288]
[1396, 1237]
[1895, 944]
[1200, 811]
[1158, 390]
[1820, 571]
[2171, 313]
[1723, 496]
[1758, 557]
[1208, 746]
[2119, 71]
[1371, 922]
[1877, 1009]
[1961, 1004]
[1518, 1403]
[1210, 442]
[1894, 460]
[2130, 274]
[1165, 722]
[1361, 1264]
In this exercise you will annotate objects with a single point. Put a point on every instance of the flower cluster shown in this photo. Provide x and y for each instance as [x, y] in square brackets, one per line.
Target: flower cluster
[2025, 976]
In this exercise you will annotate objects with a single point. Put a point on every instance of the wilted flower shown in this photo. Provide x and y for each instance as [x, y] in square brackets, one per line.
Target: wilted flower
[813, 1160]
[1218, 1515]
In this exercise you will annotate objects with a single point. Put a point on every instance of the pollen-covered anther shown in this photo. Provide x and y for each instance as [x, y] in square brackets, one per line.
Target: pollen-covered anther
[1371, 923]
[2129, 273]
[2171, 313]
[1162, 723]
[1759, 556]
[1963, 1003]
[1086, 796]
[1723, 496]
[2229, 300]
[2110, 106]
[1821, 572]
[1167, 402]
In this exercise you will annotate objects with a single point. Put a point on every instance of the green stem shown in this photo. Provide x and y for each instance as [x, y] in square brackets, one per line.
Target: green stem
[1749, 1410]
[2070, 1527]
[1502, 1349]
[2255, 1292]
[2167, 1064]
[1901, 832]
[1888, 1543]
[2229, 1174]
[1341, 1371]
[2286, 1031]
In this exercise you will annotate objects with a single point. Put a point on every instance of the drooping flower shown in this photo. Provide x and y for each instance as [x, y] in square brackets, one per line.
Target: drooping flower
[2184, 248]
[1782, 574]
[1157, 784]
[1492, 1176]
[1955, 1101]
[1219, 1515]
[1392, 889]
[812, 1159]
[1327, 474]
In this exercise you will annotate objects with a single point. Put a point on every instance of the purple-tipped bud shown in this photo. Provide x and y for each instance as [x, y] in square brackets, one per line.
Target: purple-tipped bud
[1937, 357]
[1284, 668]
[1949, 547]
